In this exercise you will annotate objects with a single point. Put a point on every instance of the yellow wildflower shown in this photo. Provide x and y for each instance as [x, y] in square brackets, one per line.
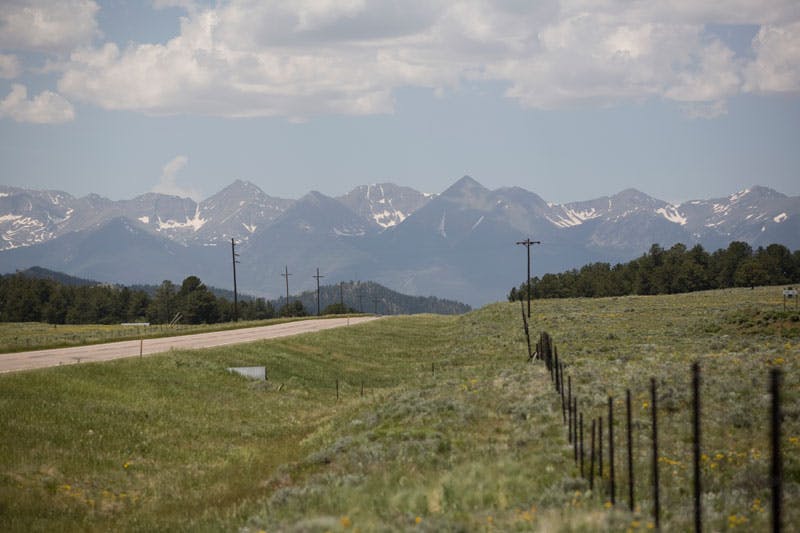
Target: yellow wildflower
[736, 520]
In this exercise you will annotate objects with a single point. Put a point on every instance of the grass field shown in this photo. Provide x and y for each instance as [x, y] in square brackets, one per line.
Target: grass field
[476, 443]
[17, 337]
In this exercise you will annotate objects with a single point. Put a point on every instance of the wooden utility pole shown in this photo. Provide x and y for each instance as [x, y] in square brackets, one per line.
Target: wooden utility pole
[528, 243]
[360, 295]
[286, 275]
[234, 255]
[376, 300]
[317, 278]
[341, 295]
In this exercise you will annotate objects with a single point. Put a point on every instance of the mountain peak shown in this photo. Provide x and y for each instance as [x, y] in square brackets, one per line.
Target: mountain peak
[384, 204]
[756, 192]
[314, 198]
[241, 187]
[631, 194]
[465, 182]
[466, 187]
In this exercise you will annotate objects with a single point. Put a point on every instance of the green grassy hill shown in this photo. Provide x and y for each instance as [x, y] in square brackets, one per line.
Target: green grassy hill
[175, 442]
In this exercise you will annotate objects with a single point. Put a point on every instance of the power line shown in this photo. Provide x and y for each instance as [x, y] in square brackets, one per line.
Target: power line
[360, 295]
[234, 255]
[286, 275]
[527, 243]
[317, 277]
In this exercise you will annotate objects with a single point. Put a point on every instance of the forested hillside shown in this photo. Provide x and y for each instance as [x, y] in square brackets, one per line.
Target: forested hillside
[672, 271]
[45, 296]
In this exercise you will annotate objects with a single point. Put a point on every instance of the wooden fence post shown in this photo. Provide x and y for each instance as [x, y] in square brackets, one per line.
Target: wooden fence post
[631, 478]
[563, 402]
[612, 487]
[575, 427]
[698, 510]
[656, 494]
[569, 408]
[580, 417]
[776, 468]
[600, 447]
[591, 461]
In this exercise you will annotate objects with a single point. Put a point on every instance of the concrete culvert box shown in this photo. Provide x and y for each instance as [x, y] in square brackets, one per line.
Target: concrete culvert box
[251, 372]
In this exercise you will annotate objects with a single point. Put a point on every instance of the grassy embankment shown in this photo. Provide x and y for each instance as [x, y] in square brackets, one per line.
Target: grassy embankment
[173, 442]
[18, 337]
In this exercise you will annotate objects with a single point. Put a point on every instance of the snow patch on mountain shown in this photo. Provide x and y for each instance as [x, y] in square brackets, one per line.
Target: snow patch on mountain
[672, 214]
[720, 208]
[194, 223]
[387, 219]
[734, 198]
[571, 217]
[22, 231]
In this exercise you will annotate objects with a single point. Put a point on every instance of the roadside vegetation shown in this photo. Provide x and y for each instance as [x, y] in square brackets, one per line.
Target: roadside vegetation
[23, 336]
[454, 431]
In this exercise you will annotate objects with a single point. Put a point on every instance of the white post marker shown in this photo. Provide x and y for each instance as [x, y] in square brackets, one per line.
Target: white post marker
[791, 293]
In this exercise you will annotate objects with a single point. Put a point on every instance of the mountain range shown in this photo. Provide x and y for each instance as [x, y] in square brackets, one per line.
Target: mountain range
[458, 244]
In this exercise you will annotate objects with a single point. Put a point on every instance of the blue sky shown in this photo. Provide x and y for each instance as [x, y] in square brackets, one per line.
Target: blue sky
[564, 98]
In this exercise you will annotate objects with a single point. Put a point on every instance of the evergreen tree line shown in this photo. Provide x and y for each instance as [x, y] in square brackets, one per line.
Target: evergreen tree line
[28, 299]
[46, 296]
[672, 271]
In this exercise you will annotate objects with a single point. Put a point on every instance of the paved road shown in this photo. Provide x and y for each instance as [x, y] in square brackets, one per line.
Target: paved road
[13, 362]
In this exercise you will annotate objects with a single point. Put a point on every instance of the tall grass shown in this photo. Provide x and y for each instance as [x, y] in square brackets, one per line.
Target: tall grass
[174, 442]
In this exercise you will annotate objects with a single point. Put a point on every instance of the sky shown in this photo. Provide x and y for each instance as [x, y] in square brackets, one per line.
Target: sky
[571, 99]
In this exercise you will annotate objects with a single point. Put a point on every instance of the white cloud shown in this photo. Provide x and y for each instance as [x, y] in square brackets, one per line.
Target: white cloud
[776, 67]
[45, 108]
[711, 77]
[304, 58]
[53, 26]
[169, 176]
[9, 66]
